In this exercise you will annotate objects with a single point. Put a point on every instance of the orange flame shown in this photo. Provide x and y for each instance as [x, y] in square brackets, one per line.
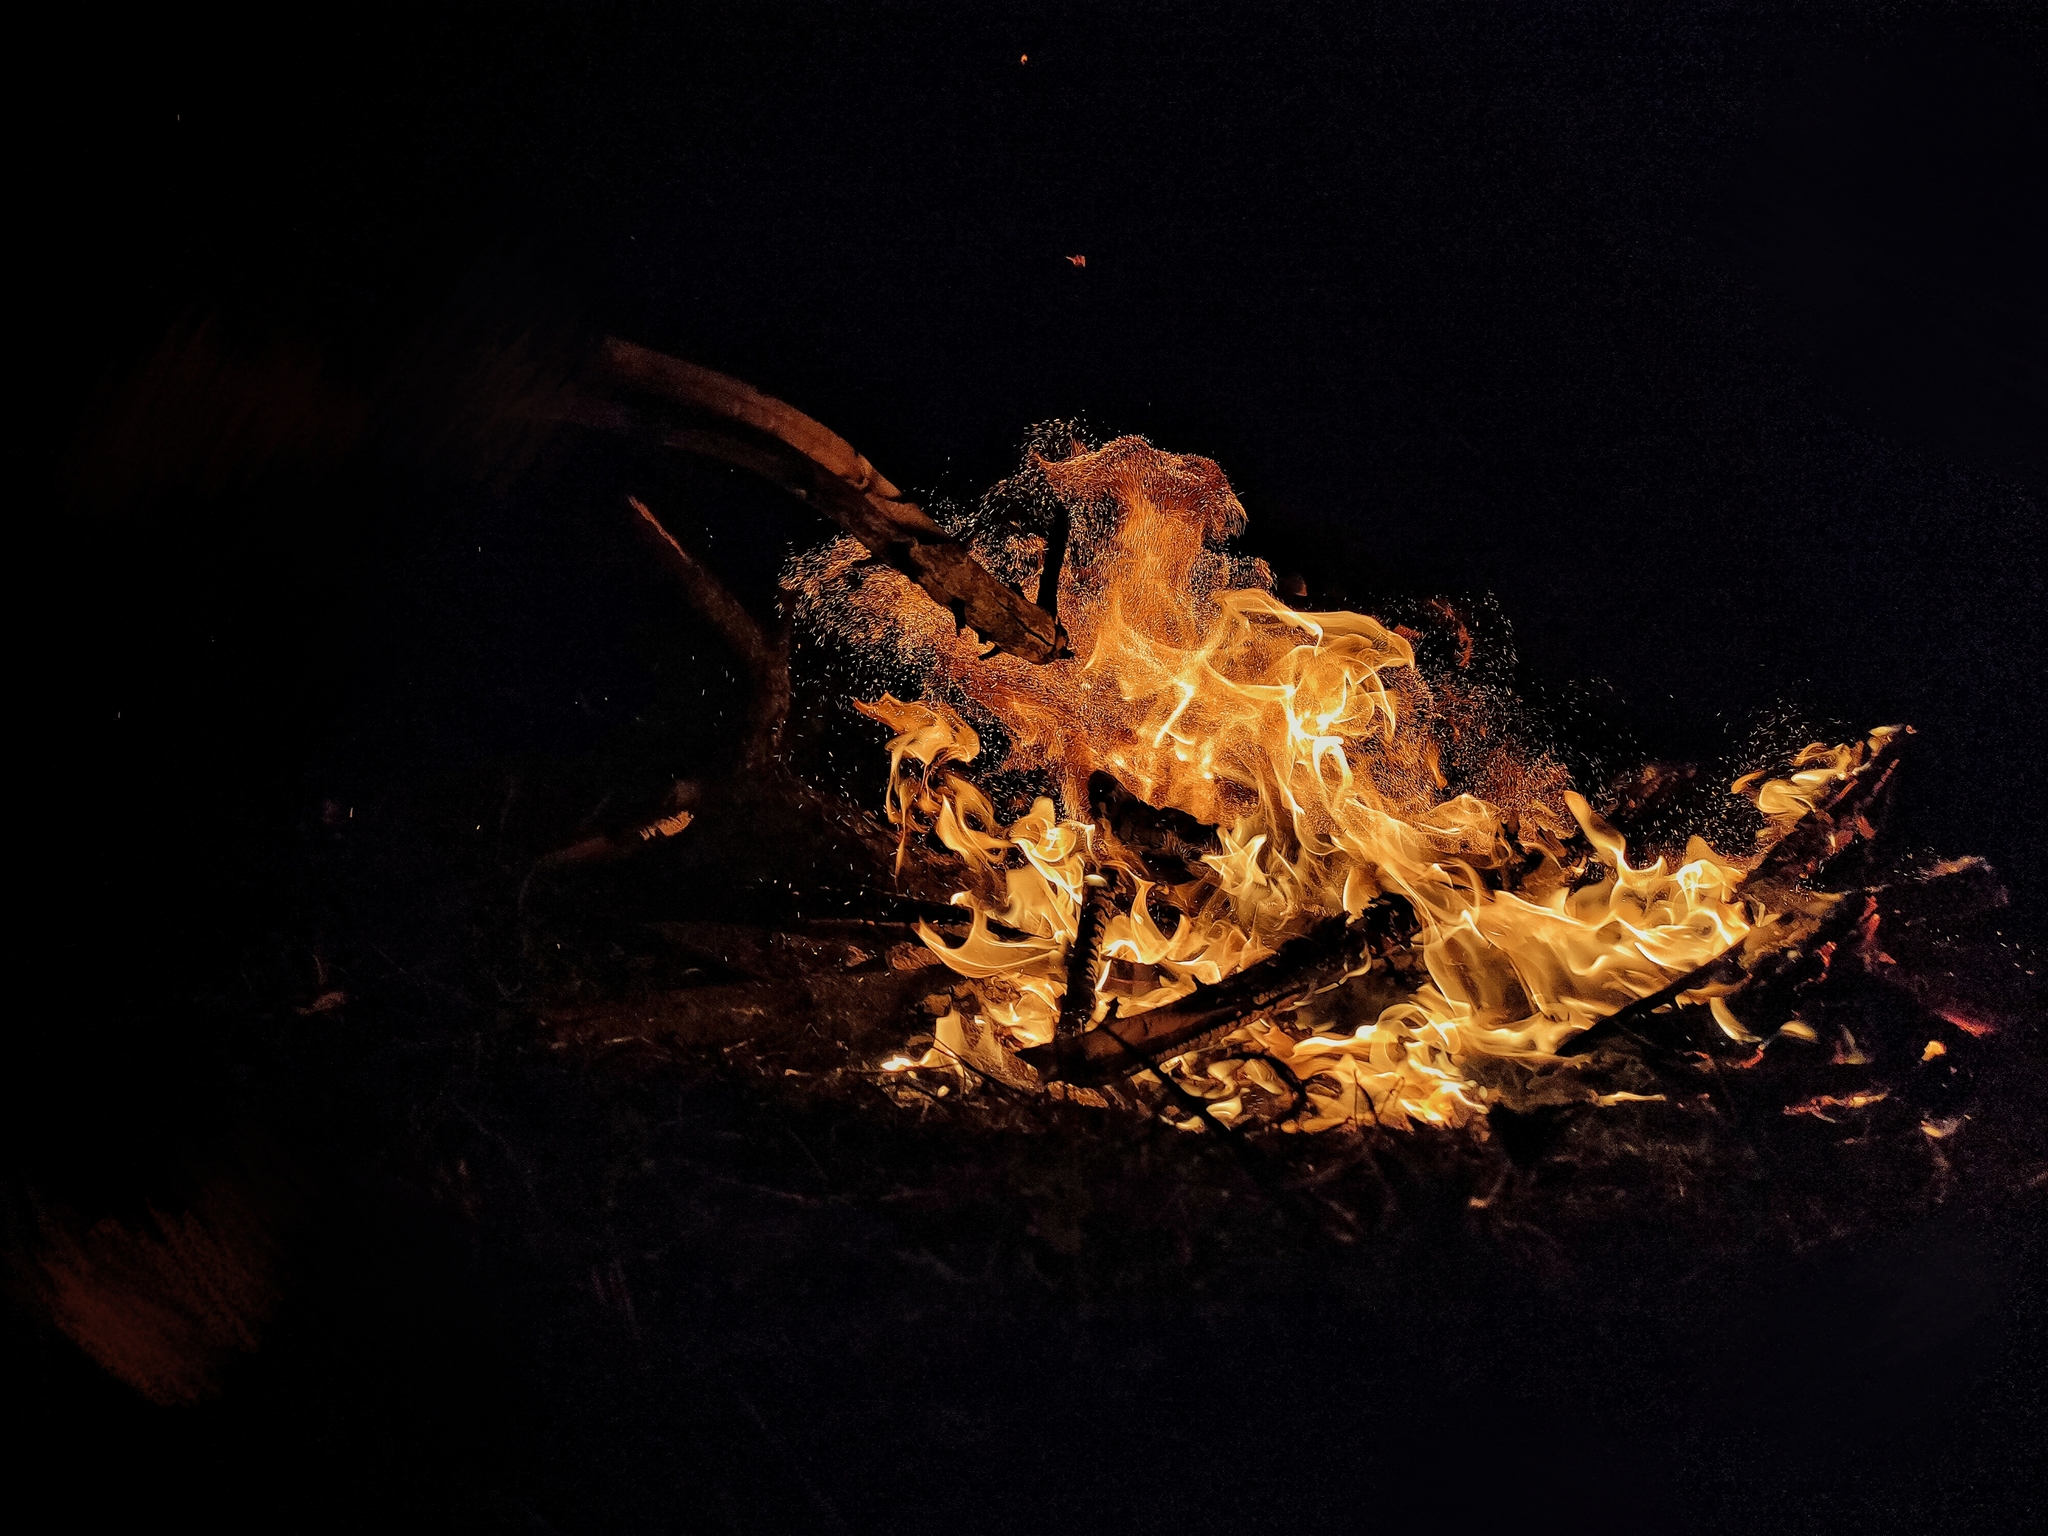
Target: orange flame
[1308, 741]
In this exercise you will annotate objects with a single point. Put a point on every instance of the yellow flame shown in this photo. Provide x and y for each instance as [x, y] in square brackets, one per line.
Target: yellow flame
[1308, 740]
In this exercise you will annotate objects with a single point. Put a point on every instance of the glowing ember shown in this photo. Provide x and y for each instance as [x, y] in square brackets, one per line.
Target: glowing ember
[1313, 748]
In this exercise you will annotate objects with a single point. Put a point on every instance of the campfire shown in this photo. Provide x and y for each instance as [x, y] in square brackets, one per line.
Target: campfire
[1127, 836]
[1242, 861]
[1236, 789]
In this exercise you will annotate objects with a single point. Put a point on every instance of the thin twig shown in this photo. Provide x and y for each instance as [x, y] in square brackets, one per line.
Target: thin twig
[765, 659]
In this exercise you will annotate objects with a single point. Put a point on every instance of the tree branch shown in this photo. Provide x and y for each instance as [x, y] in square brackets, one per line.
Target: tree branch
[766, 660]
[699, 411]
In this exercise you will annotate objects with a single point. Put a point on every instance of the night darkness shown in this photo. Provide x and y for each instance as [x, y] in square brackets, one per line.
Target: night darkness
[1703, 345]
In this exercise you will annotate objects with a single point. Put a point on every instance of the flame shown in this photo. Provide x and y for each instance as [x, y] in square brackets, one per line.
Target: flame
[1313, 746]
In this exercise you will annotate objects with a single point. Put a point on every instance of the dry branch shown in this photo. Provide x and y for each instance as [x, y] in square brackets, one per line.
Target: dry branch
[1812, 844]
[703, 412]
[764, 658]
[1769, 948]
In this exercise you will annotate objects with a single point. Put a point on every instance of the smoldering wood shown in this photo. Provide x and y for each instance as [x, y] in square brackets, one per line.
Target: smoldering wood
[648, 394]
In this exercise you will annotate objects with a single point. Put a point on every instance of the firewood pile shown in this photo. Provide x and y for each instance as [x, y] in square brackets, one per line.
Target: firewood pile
[794, 928]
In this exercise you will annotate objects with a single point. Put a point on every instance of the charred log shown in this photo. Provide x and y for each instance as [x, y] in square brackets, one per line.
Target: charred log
[1811, 849]
[647, 394]
[1084, 958]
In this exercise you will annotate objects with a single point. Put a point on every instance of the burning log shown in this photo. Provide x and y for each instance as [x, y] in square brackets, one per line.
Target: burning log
[703, 412]
[1828, 828]
[1333, 952]
[1245, 765]
[1832, 825]
[1209, 768]
[1771, 948]
[1084, 957]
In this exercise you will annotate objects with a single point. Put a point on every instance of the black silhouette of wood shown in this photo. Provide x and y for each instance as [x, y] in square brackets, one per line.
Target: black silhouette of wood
[649, 394]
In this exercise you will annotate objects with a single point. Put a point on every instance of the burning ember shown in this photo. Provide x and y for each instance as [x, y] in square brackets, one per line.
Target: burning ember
[1221, 844]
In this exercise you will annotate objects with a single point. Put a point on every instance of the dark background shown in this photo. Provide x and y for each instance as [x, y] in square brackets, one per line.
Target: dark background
[1707, 340]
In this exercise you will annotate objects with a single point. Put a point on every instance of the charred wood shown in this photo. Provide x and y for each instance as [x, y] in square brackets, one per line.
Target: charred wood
[1084, 957]
[1170, 844]
[648, 394]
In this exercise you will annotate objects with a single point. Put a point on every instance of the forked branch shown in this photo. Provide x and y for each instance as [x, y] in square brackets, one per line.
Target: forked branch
[683, 406]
